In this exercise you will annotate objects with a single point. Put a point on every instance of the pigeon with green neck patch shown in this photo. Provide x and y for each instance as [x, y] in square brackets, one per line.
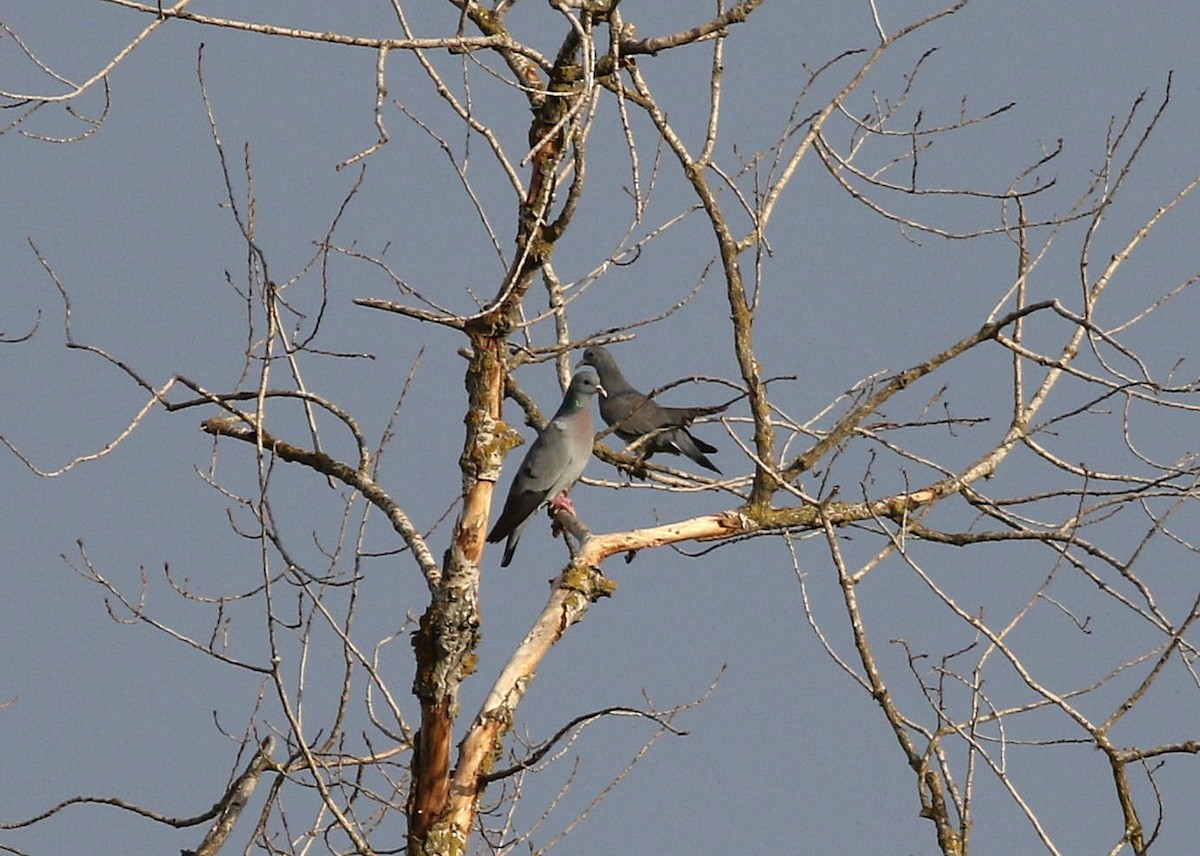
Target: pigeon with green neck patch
[553, 463]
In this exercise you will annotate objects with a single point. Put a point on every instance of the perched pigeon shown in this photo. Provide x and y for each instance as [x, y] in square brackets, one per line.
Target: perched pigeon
[553, 463]
[633, 415]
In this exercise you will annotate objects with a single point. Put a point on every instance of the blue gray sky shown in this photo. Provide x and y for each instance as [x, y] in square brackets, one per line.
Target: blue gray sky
[787, 755]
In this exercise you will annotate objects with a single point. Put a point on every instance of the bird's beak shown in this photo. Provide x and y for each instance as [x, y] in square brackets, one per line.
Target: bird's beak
[603, 392]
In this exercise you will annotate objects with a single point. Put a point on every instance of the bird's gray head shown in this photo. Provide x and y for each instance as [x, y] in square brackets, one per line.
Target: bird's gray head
[597, 356]
[587, 382]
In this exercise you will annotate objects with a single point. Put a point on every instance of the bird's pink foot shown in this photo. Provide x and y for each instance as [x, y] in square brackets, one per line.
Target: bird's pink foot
[562, 502]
